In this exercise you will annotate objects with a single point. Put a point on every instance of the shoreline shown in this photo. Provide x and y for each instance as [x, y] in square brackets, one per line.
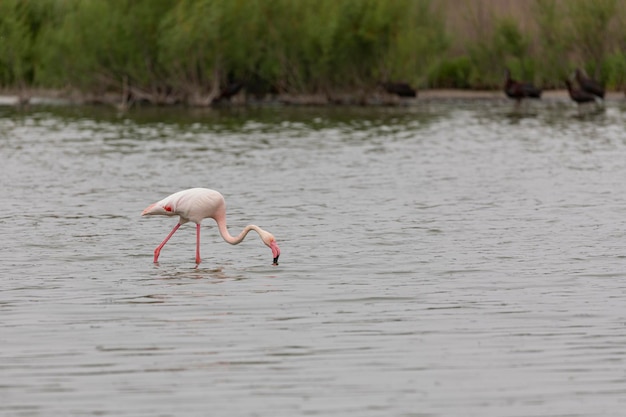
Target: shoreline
[45, 97]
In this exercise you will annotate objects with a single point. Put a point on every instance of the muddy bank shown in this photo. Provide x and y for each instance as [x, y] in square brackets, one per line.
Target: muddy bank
[37, 97]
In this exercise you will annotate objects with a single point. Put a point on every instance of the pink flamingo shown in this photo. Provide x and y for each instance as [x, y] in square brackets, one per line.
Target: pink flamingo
[196, 204]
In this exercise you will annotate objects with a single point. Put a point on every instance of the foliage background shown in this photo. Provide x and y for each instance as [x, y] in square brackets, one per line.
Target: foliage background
[185, 50]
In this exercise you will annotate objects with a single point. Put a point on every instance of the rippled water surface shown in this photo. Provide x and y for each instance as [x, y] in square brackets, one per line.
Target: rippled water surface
[444, 259]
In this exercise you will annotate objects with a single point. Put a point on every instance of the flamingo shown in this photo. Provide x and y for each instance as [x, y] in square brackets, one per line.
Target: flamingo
[196, 204]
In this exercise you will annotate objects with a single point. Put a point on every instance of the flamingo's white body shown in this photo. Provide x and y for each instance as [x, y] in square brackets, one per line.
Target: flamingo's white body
[196, 204]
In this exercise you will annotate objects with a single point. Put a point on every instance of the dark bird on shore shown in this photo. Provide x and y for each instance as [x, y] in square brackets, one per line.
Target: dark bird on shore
[519, 90]
[227, 92]
[589, 85]
[578, 95]
[399, 89]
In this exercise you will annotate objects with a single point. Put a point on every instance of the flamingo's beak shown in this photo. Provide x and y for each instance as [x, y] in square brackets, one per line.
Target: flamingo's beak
[275, 252]
[148, 210]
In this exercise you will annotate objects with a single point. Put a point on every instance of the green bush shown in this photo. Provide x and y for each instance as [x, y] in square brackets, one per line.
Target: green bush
[188, 49]
[16, 44]
[451, 73]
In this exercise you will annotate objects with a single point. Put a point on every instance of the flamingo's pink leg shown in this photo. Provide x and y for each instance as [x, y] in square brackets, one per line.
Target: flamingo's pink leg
[157, 251]
[198, 243]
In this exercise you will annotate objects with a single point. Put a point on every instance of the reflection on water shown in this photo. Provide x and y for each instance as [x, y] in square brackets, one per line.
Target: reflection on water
[449, 258]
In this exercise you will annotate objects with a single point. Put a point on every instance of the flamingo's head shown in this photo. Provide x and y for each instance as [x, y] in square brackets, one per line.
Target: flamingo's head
[270, 242]
[156, 209]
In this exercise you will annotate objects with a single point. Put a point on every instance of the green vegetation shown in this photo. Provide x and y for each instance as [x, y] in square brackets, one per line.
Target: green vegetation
[166, 51]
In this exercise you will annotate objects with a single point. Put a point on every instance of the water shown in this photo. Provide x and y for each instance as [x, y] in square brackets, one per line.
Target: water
[446, 259]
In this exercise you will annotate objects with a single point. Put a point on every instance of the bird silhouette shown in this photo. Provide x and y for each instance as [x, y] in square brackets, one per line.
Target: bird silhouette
[519, 90]
[229, 91]
[398, 88]
[196, 204]
[578, 95]
[589, 85]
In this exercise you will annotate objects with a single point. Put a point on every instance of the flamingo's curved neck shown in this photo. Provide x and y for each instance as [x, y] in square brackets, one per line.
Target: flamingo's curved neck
[220, 219]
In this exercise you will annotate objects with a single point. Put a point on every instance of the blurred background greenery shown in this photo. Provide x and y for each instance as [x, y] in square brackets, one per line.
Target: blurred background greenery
[186, 50]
